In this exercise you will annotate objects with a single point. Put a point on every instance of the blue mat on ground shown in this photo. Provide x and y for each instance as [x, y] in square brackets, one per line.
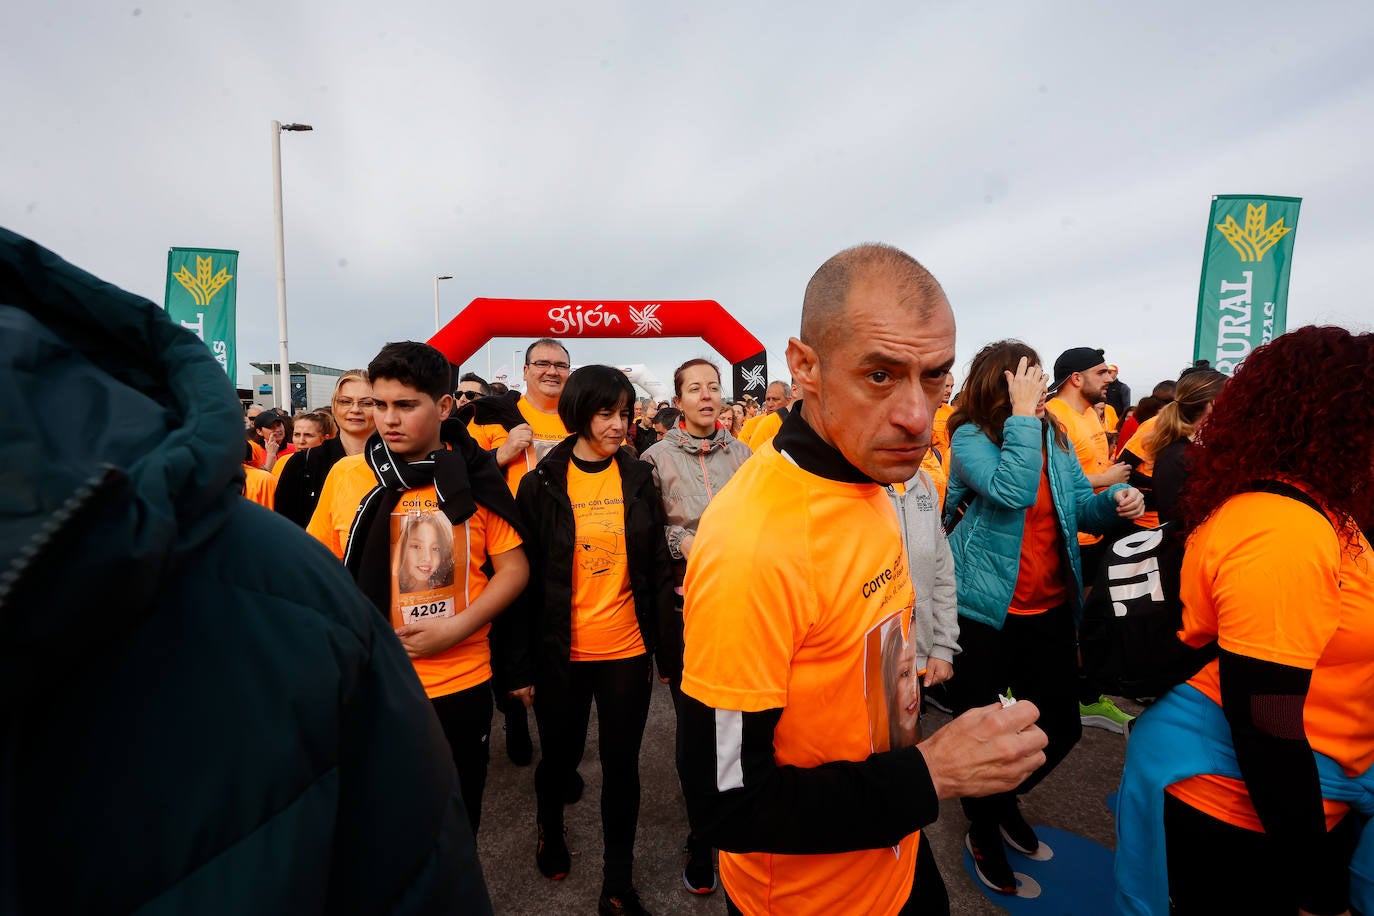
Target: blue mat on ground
[1077, 881]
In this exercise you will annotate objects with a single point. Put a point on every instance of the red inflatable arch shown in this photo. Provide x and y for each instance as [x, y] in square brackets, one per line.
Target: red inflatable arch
[484, 319]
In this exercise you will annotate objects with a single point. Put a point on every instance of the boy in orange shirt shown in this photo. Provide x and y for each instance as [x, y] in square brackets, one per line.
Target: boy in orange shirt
[417, 518]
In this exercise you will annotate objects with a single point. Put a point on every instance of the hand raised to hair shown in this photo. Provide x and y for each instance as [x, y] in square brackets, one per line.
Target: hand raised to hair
[1026, 386]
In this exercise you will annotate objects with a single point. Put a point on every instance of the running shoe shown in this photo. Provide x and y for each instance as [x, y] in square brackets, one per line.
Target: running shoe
[551, 854]
[1104, 714]
[1018, 833]
[984, 842]
[621, 903]
[699, 876]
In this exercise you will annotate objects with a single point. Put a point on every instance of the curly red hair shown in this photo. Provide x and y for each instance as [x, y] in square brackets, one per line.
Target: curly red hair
[1299, 409]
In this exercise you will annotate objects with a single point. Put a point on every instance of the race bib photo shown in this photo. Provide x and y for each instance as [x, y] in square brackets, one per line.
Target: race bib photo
[428, 562]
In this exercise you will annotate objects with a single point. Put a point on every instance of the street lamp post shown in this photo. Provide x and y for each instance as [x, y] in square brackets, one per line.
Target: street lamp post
[437, 278]
[284, 358]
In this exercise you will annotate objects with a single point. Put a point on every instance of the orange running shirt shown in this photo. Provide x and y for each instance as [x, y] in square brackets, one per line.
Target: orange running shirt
[800, 635]
[548, 431]
[1268, 578]
[1136, 446]
[939, 428]
[764, 429]
[604, 625]
[427, 582]
[1040, 573]
[1089, 438]
[937, 466]
[259, 486]
[280, 464]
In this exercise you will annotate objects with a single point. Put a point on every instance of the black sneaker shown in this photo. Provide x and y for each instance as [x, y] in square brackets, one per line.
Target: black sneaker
[551, 854]
[1018, 833]
[990, 858]
[572, 792]
[518, 746]
[622, 903]
[699, 876]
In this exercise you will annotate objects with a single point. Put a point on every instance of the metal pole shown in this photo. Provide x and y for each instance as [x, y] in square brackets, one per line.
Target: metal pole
[284, 359]
[437, 278]
[436, 304]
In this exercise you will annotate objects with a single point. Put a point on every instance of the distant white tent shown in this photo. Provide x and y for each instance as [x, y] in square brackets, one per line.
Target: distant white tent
[640, 375]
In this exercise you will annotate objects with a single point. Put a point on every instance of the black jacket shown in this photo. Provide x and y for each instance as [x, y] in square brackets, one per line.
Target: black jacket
[540, 656]
[298, 487]
[202, 714]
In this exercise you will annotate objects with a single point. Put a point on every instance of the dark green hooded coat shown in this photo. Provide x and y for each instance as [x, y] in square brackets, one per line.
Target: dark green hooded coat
[202, 714]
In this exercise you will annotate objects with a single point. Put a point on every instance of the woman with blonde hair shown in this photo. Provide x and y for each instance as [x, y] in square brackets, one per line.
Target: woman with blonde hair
[298, 489]
[1175, 428]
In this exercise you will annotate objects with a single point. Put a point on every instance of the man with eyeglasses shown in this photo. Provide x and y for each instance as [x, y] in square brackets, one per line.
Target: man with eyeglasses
[519, 448]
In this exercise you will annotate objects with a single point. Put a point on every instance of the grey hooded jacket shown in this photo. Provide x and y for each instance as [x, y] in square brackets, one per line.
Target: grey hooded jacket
[689, 472]
[936, 619]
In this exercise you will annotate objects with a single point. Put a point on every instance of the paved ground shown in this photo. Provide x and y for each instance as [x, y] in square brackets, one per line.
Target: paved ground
[1073, 799]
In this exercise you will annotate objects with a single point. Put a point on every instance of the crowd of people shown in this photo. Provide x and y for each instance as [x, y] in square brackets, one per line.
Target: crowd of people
[914, 538]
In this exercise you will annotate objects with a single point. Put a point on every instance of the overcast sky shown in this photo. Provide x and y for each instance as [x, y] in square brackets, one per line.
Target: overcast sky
[1051, 163]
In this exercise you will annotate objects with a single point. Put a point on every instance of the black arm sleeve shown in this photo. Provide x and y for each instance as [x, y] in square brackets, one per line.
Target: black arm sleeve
[1170, 471]
[1263, 702]
[756, 805]
[1139, 479]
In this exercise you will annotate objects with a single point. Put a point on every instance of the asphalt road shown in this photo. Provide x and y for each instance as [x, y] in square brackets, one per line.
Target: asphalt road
[1073, 799]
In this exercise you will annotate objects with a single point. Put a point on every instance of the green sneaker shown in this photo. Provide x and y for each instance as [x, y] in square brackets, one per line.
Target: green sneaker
[1104, 714]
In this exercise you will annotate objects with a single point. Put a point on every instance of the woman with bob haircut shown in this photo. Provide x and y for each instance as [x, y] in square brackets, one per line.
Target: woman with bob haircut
[1018, 574]
[599, 595]
[1239, 785]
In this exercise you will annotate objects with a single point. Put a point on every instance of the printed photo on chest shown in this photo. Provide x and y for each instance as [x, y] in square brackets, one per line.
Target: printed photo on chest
[428, 565]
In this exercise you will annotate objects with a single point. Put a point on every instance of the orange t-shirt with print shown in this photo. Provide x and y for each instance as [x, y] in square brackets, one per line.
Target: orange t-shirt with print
[548, 431]
[428, 580]
[1147, 465]
[801, 635]
[1089, 438]
[604, 625]
[1270, 579]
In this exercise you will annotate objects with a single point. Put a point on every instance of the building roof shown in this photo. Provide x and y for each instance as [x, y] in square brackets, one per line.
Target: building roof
[297, 369]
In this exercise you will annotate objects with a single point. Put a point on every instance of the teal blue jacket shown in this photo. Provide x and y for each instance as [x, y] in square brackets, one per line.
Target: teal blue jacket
[987, 543]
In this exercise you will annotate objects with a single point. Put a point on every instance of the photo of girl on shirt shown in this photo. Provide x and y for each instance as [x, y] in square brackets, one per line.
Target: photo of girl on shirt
[424, 560]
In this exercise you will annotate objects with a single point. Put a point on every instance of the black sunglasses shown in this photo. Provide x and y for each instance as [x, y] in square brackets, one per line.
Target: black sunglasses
[470, 395]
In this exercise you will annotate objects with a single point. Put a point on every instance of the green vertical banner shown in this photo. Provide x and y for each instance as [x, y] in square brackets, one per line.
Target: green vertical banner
[201, 295]
[1243, 300]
